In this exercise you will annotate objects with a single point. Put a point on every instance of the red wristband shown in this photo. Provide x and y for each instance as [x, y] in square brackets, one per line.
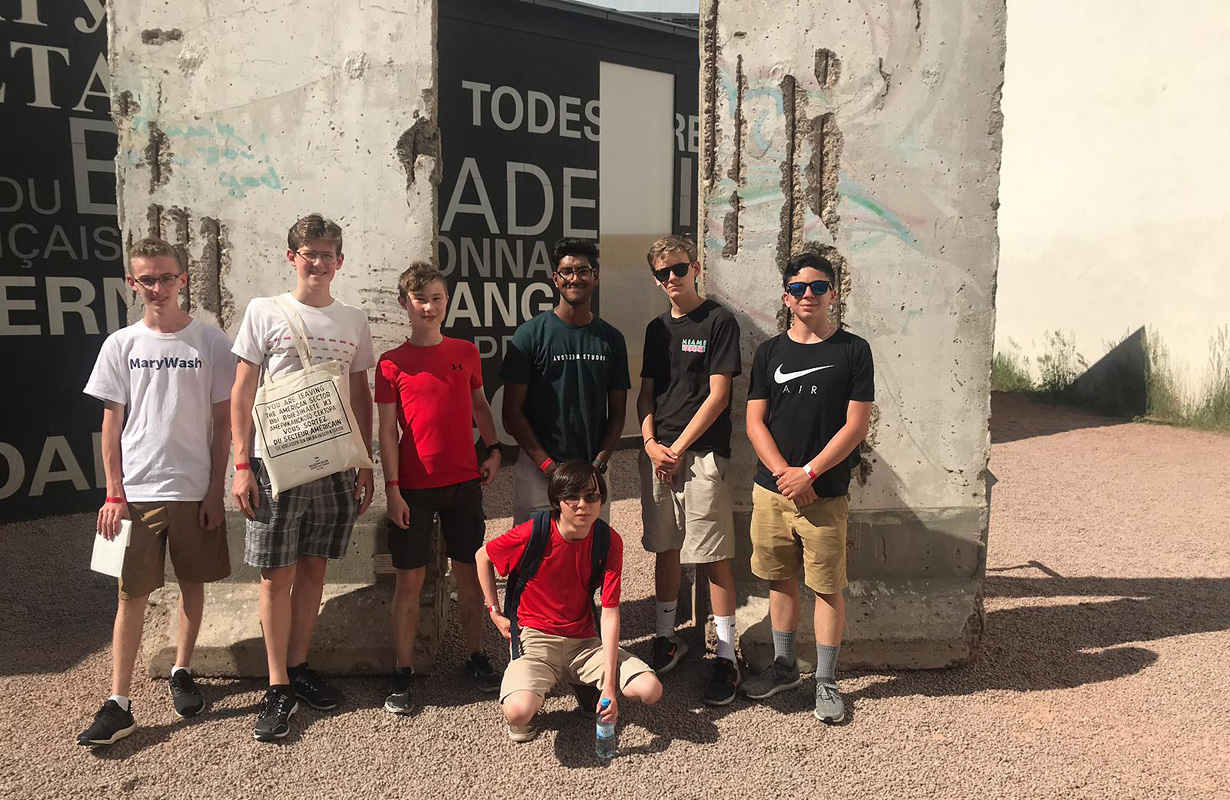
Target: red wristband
[391, 483]
[242, 465]
[811, 473]
[544, 466]
[114, 500]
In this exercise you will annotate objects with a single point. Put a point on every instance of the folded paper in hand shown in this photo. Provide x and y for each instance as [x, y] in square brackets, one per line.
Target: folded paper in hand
[109, 553]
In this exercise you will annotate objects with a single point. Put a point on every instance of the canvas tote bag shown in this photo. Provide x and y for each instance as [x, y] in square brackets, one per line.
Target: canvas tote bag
[304, 422]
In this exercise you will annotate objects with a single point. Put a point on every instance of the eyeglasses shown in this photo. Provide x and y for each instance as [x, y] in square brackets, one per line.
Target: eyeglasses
[679, 270]
[568, 273]
[592, 499]
[324, 258]
[167, 279]
[799, 288]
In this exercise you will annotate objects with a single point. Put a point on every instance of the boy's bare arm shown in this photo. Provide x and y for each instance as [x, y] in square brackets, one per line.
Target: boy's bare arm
[212, 510]
[616, 408]
[243, 395]
[485, 421]
[795, 482]
[707, 414]
[491, 597]
[610, 662]
[518, 425]
[110, 514]
[361, 404]
[762, 439]
[395, 505]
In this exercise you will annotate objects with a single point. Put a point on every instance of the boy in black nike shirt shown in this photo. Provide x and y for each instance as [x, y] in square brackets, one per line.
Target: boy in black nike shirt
[807, 411]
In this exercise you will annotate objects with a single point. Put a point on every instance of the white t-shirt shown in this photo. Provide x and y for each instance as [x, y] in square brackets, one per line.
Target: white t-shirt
[337, 332]
[168, 383]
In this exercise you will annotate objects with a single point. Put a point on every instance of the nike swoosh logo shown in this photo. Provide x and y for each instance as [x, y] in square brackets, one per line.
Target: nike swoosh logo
[782, 377]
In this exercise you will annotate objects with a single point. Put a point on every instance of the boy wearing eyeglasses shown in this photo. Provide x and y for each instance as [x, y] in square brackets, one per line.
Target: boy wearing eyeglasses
[691, 357]
[165, 385]
[291, 539]
[807, 411]
[555, 615]
[565, 381]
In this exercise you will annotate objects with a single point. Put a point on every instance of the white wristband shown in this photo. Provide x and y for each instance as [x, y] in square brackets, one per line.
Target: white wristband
[810, 472]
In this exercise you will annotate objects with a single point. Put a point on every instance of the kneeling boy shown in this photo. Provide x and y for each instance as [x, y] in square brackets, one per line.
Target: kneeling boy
[555, 619]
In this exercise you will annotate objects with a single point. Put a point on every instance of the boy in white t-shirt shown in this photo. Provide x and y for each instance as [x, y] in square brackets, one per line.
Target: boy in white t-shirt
[165, 465]
[292, 538]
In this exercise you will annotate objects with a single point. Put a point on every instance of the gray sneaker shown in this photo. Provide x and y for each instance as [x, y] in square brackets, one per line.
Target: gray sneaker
[779, 677]
[829, 707]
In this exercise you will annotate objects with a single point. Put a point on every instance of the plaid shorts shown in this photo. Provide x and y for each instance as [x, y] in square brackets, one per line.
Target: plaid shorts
[315, 519]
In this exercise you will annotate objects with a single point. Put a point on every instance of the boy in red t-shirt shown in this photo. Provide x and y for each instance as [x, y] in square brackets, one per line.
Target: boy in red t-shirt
[555, 613]
[430, 389]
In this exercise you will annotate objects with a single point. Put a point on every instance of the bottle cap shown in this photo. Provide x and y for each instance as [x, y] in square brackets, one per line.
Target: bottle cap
[606, 701]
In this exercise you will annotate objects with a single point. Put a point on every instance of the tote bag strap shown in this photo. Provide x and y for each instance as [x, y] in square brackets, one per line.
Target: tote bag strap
[298, 333]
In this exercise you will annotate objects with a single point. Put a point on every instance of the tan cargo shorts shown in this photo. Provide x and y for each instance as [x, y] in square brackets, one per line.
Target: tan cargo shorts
[547, 659]
[785, 537]
[693, 513]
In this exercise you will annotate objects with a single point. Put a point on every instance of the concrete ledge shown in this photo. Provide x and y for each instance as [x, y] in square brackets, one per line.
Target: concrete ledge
[889, 625]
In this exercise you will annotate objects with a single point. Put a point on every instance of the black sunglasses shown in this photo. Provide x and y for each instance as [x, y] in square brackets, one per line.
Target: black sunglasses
[680, 269]
[799, 288]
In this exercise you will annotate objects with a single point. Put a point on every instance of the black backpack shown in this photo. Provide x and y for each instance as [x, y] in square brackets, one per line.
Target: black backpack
[531, 559]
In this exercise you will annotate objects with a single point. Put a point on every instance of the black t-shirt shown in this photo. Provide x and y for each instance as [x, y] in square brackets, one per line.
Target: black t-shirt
[809, 387]
[680, 355]
[568, 369]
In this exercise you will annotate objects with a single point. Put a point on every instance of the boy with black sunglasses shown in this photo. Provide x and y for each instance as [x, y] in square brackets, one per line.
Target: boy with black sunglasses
[691, 357]
[807, 411]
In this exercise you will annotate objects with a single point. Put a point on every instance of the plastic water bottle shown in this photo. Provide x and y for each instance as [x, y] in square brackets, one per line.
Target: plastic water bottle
[604, 735]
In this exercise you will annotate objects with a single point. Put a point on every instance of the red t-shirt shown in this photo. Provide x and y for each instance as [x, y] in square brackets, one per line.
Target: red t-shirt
[556, 600]
[432, 387]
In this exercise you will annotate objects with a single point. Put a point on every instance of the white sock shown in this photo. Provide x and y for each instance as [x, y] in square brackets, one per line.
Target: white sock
[725, 636]
[177, 669]
[666, 617]
[124, 702]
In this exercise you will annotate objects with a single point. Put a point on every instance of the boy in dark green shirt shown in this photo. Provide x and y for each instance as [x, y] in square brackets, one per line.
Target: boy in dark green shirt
[565, 381]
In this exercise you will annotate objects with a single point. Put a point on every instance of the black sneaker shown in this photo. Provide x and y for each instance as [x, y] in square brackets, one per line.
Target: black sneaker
[111, 724]
[778, 677]
[666, 654]
[485, 677]
[273, 721]
[400, 699]
[723, 685]
[185, 695]
[311, 687]
[587, 698]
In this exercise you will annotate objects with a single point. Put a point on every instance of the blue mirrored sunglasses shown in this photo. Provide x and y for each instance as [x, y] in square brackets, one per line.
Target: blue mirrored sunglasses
[799, 288]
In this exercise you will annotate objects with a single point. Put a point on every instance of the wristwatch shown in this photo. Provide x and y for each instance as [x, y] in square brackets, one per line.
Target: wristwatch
[600, 465]
[496, 446]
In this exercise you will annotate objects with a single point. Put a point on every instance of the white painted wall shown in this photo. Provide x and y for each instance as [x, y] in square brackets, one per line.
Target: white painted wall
[1115, 174]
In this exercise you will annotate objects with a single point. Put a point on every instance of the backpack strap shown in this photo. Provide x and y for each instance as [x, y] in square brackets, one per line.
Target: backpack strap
[527, 567]
[598, 554]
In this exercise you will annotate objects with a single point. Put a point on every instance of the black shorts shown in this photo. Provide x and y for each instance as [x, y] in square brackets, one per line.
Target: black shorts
[462, 522]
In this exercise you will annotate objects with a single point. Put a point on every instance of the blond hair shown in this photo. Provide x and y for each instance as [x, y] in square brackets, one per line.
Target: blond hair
[671, 244]
[153, 247]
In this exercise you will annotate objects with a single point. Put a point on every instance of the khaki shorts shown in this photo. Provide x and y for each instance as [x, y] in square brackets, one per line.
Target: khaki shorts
[783, 537]
[530, 492]
[546, 659]
[198, 555]
[692, 514]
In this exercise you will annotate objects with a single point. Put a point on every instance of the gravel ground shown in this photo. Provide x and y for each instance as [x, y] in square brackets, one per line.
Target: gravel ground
[1103, 672]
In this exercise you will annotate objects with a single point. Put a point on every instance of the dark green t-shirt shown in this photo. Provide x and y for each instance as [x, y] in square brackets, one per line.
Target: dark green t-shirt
[569, 369]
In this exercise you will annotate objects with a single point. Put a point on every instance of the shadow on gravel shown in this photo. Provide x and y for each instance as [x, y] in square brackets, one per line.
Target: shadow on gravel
[150, 735]
[1021, 416]
[1083, 641]
[56, 612]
